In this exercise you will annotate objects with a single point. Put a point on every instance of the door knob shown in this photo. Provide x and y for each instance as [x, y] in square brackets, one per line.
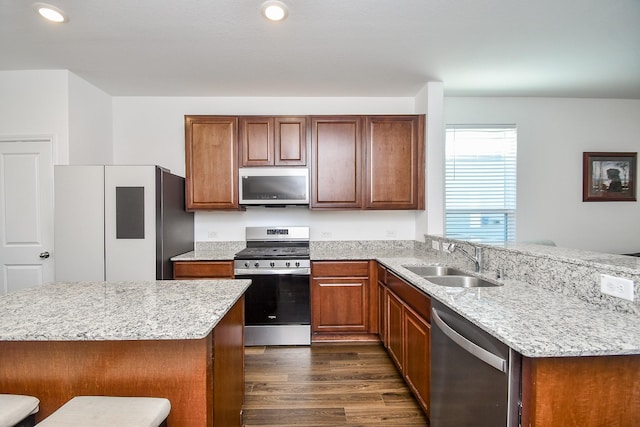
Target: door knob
[44, 255]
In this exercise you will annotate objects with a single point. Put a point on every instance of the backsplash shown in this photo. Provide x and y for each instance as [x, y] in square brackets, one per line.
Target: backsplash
[565, 271]
[568, 272]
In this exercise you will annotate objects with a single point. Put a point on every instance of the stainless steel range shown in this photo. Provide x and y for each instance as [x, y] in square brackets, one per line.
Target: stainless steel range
[278, 302]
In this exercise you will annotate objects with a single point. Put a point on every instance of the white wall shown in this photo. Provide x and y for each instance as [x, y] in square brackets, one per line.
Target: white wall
[324, 225]
[90, 124]
[150, 130]
[35, 103]
[552, 135]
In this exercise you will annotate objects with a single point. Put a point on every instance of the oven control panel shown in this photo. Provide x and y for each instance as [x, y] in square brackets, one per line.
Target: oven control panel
[271, 266]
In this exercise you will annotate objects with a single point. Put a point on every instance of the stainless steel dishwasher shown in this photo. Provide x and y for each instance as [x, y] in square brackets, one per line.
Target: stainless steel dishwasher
[475, 378]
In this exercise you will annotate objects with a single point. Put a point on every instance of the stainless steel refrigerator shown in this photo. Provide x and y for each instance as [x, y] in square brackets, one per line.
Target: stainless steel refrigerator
[121, 222]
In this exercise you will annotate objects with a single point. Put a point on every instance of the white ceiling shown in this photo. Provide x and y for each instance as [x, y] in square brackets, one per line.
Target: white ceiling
[567, 48]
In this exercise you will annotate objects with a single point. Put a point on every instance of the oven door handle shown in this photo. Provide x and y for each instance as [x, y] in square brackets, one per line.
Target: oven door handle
[266, 271]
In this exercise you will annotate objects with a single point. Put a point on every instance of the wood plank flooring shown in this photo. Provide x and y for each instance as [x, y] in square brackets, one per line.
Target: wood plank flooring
[326, 385]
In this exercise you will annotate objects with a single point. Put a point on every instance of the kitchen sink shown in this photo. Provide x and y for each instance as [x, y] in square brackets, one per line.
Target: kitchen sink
[462, 281]
[434, 270]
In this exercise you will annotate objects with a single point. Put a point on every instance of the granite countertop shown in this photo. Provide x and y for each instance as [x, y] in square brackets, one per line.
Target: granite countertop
[83, 311]
[533, 321]
[212, 251]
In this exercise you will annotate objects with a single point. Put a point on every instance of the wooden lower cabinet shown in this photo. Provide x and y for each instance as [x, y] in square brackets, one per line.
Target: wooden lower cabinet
[557, 391]
[405, 321]
[581, 391]
[184, 270]
[395, 324]
[340, 305]
[341, 301]
[416, 350]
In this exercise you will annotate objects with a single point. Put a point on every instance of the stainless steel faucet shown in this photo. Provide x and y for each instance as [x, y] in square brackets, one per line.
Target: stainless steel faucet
[477, 259]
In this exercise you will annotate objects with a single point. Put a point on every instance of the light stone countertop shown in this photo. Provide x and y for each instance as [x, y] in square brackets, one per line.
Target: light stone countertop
[533, 321]
[83, 311]
[212, 251]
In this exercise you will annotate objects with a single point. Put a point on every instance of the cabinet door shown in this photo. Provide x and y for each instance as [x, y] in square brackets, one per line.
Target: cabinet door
[336, 168]
[256, 141]
[382, 315]
[339, 305]
[211, 162]
[291, 141]
[394, 329]
[417, 337]
[381, 275]
[394, 148]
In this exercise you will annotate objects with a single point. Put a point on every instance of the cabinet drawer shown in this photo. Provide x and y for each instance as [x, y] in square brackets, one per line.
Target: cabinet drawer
[340, 269]
[202, 269]
[415, 299]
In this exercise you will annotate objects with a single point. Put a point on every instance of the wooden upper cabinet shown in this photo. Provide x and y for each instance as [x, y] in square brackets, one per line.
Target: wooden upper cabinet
[256, 141]
[336, 162]
[291, 141]
[211, 162]
[356, 162]
[273, 141]
[394, 151]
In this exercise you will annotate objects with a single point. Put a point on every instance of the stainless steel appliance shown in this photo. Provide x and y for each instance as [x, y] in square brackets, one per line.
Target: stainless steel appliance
[475, 378]
[278, 302]
[274, 186]
[120, 222]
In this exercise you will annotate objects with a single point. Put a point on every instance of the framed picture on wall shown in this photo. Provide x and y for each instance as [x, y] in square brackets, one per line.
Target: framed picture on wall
[609, 177]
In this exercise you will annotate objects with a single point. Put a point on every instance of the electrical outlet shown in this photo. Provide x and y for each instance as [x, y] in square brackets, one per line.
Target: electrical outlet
[616, 286]
[435, 245]
[212, 234]
[325, 234]
[391, 234]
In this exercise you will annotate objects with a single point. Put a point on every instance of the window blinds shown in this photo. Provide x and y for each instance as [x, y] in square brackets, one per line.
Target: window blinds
[480, 183]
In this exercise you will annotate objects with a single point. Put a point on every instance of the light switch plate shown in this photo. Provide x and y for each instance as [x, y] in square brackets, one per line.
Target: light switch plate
[435, 245]
[616, 286]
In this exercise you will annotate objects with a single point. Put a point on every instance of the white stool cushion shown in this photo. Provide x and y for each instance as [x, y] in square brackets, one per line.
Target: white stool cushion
[110, 411]
[15, 408]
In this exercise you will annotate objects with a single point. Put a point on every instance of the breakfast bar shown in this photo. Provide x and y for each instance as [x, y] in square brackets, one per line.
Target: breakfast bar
[182, 340]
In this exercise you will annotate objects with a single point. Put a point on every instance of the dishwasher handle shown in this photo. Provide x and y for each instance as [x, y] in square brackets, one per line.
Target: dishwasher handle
[479, 352]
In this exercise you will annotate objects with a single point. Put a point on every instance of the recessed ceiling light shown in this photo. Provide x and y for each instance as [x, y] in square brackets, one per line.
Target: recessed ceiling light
[50, 13]
[274, 10]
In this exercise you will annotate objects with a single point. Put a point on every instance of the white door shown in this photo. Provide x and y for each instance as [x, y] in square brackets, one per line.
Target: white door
[26, 214]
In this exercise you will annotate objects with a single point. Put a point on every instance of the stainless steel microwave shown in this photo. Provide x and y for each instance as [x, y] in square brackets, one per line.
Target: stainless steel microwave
[274, 186]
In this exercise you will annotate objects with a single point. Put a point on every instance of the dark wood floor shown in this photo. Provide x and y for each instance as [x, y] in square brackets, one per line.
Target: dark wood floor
[326, 385]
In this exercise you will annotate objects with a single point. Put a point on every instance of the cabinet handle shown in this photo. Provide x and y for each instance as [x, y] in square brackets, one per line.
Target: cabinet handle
[328, 285]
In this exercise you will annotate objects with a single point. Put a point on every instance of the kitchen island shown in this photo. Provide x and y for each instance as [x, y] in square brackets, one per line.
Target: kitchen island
[182, 340]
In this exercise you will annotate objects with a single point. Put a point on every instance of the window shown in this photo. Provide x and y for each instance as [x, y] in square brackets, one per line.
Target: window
[480, 183]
